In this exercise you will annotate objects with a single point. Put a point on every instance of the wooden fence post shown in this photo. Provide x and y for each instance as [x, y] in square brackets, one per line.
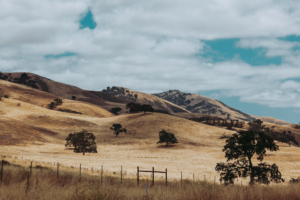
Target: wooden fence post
[152, 176]
[121, 174]
[137, 174]
[181, 179]
[101, 173]
[57, 171]
[2, 171]
[166, 177]
[30, 168]
[80, 173]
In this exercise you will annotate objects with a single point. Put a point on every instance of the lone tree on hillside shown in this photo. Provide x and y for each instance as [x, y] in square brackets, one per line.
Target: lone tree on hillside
[82, 141]
[146, 108]
[54, 103]
[116, 110]
[118, 129]
[241, 147]
[58, 101]
[165, 137]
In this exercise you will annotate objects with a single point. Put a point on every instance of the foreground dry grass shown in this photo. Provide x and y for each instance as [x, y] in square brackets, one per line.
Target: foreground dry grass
[43, 183]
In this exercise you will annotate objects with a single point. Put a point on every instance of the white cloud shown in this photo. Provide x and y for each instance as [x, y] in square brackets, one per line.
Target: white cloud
[150, 46]
[274, 47]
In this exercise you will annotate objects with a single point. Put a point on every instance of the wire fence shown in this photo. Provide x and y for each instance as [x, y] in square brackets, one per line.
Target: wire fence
[122, 173]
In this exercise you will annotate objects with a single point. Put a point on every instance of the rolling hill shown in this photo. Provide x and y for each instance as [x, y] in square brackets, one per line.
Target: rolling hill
[63, 90]
[30, 130]
[203, 105]
[143, 98]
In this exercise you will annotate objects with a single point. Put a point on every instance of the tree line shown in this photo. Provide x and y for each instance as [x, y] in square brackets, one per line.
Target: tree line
[219, 122]
[134, 108]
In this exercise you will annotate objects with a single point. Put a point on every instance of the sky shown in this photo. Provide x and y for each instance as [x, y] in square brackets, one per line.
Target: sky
[244, 53]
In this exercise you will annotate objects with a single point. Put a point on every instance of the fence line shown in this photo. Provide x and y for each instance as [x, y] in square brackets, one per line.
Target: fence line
[92, 169]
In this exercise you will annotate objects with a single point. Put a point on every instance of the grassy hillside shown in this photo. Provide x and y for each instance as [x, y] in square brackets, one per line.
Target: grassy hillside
[30, 130]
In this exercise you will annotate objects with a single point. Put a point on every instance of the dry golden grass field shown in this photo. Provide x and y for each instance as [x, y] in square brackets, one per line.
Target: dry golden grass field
[29, 130]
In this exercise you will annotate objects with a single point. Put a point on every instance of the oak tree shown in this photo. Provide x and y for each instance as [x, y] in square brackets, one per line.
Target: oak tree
[82, 141]
[165, 137]
[118, 129]
[241, 147]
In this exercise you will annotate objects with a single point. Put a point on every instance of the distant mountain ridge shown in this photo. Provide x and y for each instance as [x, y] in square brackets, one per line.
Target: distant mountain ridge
[200, 104]
[143, 98]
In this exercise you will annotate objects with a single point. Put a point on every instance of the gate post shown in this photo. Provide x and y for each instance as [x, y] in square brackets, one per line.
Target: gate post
[137, 174]
[166, 177]
[152, 176]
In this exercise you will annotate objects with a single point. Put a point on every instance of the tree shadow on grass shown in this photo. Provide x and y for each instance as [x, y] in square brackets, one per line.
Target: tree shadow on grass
[169, 146]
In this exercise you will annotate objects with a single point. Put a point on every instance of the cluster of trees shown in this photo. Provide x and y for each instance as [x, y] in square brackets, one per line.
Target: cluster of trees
[220, 122]
[135, 107]
[54, 103]
[82, 142]
[284, 137]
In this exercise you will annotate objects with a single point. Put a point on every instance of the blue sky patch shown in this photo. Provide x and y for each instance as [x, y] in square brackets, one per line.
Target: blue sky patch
[291, 38]
[87, 20]
[293, 79]
[66, 54]
[225, 49]
[286, 114]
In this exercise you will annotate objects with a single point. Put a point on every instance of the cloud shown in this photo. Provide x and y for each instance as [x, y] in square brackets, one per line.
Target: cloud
[154, 46]
[273, 46]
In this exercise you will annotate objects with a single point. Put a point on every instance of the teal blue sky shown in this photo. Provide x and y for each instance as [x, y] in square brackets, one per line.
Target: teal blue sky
[87, 20]
[66, 54]
[225, 49]
[286, 114]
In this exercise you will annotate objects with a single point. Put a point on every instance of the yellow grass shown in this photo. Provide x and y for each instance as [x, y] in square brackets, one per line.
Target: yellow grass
[34, 132]
[42, 183]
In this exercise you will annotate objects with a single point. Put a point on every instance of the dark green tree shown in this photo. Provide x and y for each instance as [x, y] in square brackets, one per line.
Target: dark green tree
[58, 101]
[52, 105]
[133, 107]
[146, 108]
[241, 147]
[82, 141]
[73, 97]
[118, 129]
[116, 110]
[165, 137]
